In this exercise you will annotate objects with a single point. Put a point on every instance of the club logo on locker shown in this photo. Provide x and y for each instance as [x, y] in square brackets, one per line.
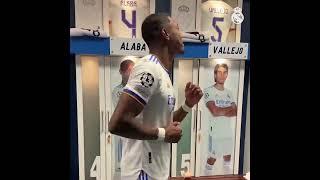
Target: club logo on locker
[183, 8]
[237, 16]
[89, 2]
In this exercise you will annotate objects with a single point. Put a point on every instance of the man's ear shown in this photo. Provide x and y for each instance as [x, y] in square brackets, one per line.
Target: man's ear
[165, 34]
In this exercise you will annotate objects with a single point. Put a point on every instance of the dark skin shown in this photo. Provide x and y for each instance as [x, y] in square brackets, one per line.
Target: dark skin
[122, 122]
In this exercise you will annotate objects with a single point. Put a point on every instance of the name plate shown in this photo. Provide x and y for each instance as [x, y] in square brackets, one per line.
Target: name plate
[128, 47]
[228, 50]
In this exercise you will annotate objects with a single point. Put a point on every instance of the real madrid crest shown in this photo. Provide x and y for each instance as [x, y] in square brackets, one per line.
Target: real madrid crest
[237, 16]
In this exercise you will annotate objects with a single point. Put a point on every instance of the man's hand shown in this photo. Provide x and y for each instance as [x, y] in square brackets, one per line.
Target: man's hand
[234, 106]
[173, 132]
[211, 160]
[193, 94]
[233, 111]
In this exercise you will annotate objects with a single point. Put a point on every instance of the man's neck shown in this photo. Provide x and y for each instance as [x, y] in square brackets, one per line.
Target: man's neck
[163, 55]
[219, 86]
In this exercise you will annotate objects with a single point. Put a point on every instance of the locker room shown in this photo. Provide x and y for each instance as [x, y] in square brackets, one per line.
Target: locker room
[106, 40]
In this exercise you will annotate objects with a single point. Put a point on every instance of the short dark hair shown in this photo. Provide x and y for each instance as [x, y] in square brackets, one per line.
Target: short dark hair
[125, 64]
[152, 26]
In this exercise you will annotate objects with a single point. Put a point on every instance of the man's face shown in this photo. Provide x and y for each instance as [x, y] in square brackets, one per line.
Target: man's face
[175, 43]
[221, 75]
[125, 74]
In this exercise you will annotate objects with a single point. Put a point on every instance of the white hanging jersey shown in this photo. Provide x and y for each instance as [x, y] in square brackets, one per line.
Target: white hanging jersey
[126, 17]
[184, 12]
[216, 19]
[116, 92]
[84, 18]
[222, 126]
[149, 83]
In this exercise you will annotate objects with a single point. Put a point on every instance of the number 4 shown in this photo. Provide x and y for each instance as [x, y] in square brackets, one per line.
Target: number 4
[95, 168]
[126, 22]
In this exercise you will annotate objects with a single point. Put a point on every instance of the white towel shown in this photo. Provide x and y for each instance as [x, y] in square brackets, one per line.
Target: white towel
[87, 32]
[194, 40]
[194, 35]
[200, 37]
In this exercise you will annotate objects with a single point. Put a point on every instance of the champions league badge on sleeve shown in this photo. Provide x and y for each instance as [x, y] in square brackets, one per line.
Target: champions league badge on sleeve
[206, 96]
[237, 16]
[171, 102]
[147, 79]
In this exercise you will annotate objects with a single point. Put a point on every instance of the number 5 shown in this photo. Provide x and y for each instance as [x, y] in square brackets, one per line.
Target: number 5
[216, 27]
[95, 168]
[185, 163]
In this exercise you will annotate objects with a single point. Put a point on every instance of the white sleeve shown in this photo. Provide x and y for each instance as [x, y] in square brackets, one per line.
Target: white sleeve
[231, 97]
[176, 105]
[114, 97]
[143, 83]
[208, 95]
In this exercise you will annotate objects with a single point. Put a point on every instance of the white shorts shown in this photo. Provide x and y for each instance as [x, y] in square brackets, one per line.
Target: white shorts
[142, 176]
[221, 146]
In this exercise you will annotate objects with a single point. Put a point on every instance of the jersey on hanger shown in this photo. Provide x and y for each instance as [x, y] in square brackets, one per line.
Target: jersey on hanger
[126, 17]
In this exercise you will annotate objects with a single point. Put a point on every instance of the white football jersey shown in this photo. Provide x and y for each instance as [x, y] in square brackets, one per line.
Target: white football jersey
[84, 18]
[220, 126]
[126, 17]
[116, 92]
[149, 83]
[184, 12]
[216, 19]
